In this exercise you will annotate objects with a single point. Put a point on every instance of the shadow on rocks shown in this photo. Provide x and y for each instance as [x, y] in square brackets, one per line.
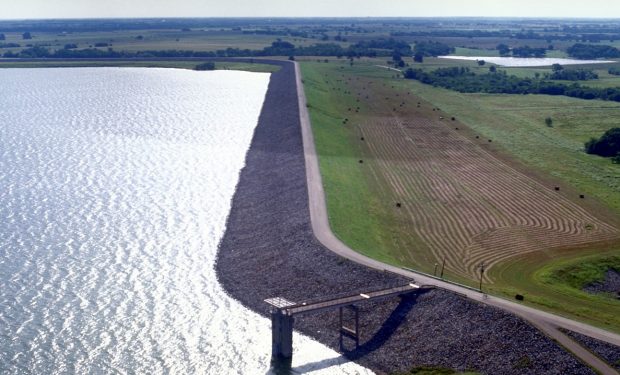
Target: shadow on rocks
[387, 329]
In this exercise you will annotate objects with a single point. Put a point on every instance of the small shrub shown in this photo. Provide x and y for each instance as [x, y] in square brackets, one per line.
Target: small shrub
[549, 122]
[209, 65]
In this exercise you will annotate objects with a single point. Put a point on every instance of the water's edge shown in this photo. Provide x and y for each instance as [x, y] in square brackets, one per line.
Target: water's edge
[268, 248]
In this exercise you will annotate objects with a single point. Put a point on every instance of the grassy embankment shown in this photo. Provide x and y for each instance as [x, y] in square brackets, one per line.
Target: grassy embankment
[516, 123]
[362, 226]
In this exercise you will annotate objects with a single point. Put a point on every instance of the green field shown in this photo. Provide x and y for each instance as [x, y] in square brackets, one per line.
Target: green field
[516, 123]
[356, 203]
[360, 226]
[553, 281]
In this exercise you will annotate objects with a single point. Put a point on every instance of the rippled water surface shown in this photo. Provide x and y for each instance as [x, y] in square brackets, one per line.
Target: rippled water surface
[115, 184]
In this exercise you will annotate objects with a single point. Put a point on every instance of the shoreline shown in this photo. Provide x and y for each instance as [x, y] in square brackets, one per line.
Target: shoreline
[269, 250]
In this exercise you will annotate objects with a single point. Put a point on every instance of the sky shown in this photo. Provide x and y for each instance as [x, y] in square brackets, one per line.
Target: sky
[20, 9]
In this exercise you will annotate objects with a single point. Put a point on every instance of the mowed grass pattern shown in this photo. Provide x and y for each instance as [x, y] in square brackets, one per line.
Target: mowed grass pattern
[468, 206]
[456, 200]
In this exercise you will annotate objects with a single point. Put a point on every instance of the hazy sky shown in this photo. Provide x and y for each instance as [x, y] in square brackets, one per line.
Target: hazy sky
[305, 8]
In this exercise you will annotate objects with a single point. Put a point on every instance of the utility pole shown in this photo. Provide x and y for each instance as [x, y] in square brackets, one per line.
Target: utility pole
[481, 272]
[443, 265]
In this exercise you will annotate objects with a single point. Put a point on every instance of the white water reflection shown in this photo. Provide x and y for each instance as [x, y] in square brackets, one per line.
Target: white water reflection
[526, 62]
[115, 184]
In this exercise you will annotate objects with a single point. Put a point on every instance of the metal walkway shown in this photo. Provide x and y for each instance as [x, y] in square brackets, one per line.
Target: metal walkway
[283, 312]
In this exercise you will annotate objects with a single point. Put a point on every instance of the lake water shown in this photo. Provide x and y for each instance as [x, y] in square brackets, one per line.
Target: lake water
[526, 62]
[115, 184]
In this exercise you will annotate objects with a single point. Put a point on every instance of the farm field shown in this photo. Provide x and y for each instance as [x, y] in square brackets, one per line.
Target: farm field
[408, 185]
[163, 39]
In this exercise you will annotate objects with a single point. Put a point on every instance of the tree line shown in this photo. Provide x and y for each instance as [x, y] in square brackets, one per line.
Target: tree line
[499, 82]
[559, 73]
[372, 48]
[608, 145]
[592, 51]
[524, 51]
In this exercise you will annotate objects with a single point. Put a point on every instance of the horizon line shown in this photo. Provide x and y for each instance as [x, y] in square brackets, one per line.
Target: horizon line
[317, 17]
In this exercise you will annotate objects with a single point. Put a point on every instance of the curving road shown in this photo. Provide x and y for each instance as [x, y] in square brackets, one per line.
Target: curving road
[546, 322]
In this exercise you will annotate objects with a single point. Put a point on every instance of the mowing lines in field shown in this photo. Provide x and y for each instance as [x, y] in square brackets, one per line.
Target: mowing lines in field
[466, 205]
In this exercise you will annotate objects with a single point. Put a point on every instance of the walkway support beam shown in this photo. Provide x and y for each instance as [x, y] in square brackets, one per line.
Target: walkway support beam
[281, 334]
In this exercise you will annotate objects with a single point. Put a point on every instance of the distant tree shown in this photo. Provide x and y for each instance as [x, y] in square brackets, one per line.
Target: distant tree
[573, 75]
[10, 45]
[411, 73]
[549, 122]
[492, 69]
[432, 48]
[418, 57]
[140, 37]
[280, 44]
[556, 67]
[503, 49]
[209, 65]
[35, 52]
[592, 51]
[608, 145]
[527, 51]
[71, 46]
[396, 56]
[27, 35]
[292, 58]
[481, 62]
[2, 37]
[400, 63]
